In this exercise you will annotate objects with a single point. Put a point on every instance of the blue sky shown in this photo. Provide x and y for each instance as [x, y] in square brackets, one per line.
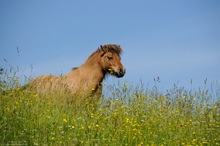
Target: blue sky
[177, 40]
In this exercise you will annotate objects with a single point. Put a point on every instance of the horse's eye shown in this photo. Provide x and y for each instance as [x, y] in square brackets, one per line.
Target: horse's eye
[110, 58]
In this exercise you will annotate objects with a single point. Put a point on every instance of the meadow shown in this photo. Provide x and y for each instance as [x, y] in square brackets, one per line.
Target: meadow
[129, 115]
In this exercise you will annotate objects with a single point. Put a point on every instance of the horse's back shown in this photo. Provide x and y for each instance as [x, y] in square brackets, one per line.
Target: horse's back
[45, 83]
[44, 79]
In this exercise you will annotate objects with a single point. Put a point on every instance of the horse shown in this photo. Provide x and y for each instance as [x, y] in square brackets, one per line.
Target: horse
[85, 80]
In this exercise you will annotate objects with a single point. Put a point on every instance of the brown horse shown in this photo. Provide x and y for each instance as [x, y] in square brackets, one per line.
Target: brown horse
[85, 80]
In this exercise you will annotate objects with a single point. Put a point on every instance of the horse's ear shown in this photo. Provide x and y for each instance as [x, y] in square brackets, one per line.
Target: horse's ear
[102, 50]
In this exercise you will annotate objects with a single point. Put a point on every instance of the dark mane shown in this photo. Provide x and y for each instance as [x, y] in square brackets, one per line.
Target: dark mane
[113, 48]
[74, 68]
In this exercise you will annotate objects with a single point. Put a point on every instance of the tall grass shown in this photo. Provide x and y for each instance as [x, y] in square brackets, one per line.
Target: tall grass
[131, 116]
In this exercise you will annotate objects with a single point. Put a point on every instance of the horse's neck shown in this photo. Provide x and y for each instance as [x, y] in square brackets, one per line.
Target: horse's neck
[91, 71]
[94, 72]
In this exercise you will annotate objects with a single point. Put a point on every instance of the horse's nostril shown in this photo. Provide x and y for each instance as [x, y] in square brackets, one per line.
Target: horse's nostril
[122, 71]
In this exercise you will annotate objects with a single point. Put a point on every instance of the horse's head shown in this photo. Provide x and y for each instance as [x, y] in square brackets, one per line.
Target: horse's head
[111, 60]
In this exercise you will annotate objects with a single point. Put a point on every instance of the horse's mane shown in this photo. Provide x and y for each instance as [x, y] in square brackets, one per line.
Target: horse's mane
[113, 48]
[74, 68]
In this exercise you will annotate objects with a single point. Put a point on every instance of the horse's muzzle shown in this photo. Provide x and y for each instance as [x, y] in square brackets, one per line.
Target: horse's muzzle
[120, 73]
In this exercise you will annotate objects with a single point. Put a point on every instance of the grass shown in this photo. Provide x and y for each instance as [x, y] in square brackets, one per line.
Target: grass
[132, 116]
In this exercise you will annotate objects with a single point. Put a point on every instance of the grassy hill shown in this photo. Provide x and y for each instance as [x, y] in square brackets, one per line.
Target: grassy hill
[132, 116]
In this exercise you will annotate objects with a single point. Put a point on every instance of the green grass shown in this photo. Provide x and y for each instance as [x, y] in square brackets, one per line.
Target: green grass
[132, 116]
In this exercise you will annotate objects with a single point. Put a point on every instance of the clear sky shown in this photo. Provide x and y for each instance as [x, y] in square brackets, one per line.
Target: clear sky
[176, 40]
